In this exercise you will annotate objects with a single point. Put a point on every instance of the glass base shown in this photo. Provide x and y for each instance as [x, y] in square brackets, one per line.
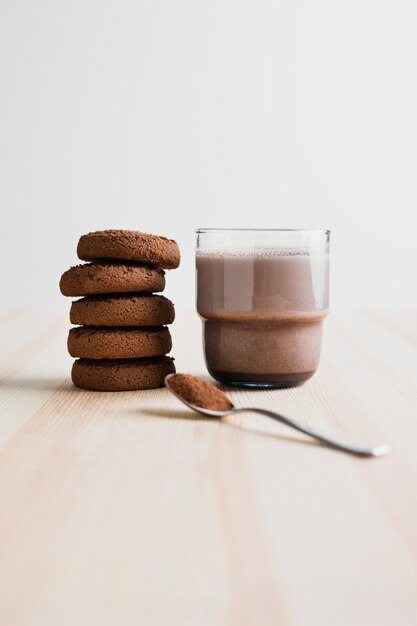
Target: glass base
[261, 381]
[283, 385]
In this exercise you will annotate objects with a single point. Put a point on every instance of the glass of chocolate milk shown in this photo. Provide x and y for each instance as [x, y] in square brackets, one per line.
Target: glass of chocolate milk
[262, 296]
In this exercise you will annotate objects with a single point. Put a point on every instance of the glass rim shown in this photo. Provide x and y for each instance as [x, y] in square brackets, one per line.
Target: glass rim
[324, 231]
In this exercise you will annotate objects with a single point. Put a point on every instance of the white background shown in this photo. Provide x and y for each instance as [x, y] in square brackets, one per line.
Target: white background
[164, 116]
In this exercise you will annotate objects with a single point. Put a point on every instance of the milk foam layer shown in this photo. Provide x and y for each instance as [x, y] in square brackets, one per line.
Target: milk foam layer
[257, 252]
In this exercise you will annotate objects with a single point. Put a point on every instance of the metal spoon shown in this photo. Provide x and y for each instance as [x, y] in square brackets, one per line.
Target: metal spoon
[331, 440]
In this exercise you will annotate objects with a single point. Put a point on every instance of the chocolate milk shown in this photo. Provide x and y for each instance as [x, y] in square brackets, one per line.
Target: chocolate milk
[262, 312]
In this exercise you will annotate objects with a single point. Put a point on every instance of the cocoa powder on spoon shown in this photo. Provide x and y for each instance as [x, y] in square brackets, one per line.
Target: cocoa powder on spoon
[199, 392]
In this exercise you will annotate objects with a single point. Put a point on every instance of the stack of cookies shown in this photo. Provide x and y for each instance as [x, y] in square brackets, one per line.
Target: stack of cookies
[121, 340]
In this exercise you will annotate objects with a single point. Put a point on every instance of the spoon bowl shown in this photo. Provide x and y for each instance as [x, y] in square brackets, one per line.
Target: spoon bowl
[195, 407]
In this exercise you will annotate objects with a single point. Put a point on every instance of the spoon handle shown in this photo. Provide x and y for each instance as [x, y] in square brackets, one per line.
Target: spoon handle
[331, 440]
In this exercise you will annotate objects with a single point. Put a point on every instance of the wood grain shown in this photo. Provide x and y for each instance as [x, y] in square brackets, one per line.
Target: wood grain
[124, 508]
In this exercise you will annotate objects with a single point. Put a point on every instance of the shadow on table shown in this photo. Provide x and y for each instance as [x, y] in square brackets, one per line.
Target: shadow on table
[179, 414]
[37, 384]
[191, 416]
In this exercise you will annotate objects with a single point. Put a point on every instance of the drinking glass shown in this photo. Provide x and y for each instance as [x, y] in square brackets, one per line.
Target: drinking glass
[262, 296]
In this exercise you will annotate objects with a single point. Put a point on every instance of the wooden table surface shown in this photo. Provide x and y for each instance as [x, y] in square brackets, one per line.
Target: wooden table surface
[121, 509]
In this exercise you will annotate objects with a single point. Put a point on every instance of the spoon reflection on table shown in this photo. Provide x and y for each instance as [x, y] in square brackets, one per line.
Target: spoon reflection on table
[186, 387]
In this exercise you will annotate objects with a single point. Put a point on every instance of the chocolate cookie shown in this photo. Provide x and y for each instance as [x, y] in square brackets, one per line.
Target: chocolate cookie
[121, 375]
[98, 278]
[122, 310]
[129, 245]
[90, 342]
